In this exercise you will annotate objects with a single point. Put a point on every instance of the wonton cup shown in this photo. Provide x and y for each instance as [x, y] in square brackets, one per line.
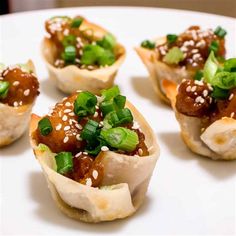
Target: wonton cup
[14, 120]
[218, 141]
[160, 71]
[71, 78]
[123, 188]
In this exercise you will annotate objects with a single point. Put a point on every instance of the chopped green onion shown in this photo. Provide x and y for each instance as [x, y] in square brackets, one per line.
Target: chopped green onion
[4, 86]
[107, 107]
[121, 138]
[210, 68]
[109, 94]
[220, 32]
[85, 104]
[214, 46]
[107, 42]
[91, 150]
[42, 147]
[119, 101]
[148, 44]
[76, 22]
[69, 54]
[174, 56]
[219, 93]
[90, 54]
[64, 162]
[230, 65]
[171, 38]
[89, 132]
[111, 120]
[45, 126]
[125, 116]
[220, 59]
[224, 80]
[107, 58]
[69, 40]
[198, 75]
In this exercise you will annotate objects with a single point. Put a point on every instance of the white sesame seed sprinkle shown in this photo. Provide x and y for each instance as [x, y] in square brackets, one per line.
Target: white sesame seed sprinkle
[95, 174]
[231, 96]
[66, 139]
[104, 148]
[88, 182]
[67, 104]
[71, 114]
[78, 154]
[78, 137]
[15, 104]
[27, 92]
[188, 89]
[78, 126]
[205, 93]
[85, 153]
[58, 127]
[198, 82]
[67, 110]
[66, 127]
[16, 83]
[194, 88]
[95, 114]
[135, 125]
[199, 99]
[140, 151]
[232, 114]
[64, 118]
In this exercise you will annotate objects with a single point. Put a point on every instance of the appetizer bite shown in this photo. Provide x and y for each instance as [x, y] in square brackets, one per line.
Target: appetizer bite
[81, 55]
[206, 109]
[97, 153]
[18, 91]
[175, 57]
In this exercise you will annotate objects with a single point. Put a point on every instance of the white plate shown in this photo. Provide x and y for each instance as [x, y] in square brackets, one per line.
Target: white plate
[188, 194]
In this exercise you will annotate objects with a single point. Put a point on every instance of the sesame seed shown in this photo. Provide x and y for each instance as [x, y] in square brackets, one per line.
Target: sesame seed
[58, 127]
[78, 126]
[184, 49]
[104, 148]
[66, 127]
[198, 82]
[67, 104]
[209, 87]
[88, 182]
[67, 110]
[135, 125]
[27, 92]
[140, 151]
[5, 73]
[78, 154]
[71, 114]
[95, 174]
[64, 118]
[16, 83]
[95, 114]
[231, 96]
[194, 88]
[194, 50]
[66, 139]
[194, 64]
[232, 114]
[196, 56]
[188, 89]
[15, 104]
[205, 93]
[85, 153]
[78, 137]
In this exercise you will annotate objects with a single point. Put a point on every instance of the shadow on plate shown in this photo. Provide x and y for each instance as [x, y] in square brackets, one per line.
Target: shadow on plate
[16, 148]
[48, 88]
[143, 87]
[218, 169]
[47, 210]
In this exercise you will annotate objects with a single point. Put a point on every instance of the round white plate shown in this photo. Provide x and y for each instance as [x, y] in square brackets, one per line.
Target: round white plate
[188, 194]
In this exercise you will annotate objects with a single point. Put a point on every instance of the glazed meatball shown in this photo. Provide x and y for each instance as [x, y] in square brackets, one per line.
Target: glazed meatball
[193, 98]
[23, 87]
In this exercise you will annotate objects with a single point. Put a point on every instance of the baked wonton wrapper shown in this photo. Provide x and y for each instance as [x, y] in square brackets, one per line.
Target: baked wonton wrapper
[14, 120]
[217, 141]
[160, 71]
[71, 78]
[124, 185]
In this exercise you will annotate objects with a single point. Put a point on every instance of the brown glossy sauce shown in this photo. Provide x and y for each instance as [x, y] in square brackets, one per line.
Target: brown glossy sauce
[23, 88]
[65, 136]
[194, 43]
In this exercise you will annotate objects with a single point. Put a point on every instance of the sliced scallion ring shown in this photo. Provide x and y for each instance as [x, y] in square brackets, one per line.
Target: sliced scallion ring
[45, 126]
[4, 87]
[64, 161]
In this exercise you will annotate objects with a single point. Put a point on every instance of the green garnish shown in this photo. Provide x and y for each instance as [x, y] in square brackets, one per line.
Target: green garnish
[107, 42]
[119, 101]
[219, 93]
[107, 107]
[64, 161]
[85, 104]
[174, 56]
[230, 65]
[76, 22]
[214, 46]
[220, 32]
[110, 93]
[42, 147]
[90, 131]
[45, 126]
[4, 86]
[69, 40]
[148, 44]
[95, 54]
[224, 80]
[171, 38]
[198, 75]
[121, 138]
[69, 54]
